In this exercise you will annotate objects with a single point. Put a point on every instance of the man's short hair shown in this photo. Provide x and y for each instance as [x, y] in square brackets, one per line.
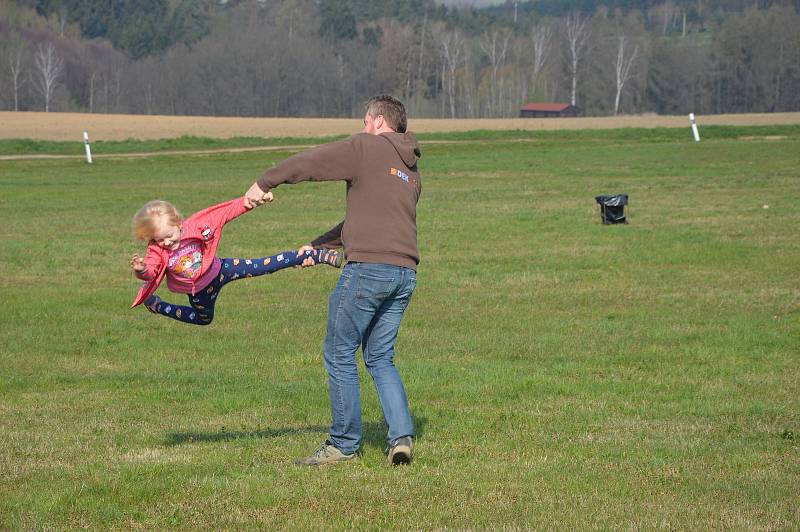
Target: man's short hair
[392, 109]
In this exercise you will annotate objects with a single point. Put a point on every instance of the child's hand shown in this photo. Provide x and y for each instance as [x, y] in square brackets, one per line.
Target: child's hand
[137, 264]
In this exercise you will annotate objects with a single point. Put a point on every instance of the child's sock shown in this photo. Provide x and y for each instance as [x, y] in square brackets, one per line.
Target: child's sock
[331, 257]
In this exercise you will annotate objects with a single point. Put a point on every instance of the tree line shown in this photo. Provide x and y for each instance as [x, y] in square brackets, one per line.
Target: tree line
[325, 57]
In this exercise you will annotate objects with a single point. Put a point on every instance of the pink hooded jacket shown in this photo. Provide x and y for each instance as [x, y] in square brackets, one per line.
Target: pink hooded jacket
[205, 226]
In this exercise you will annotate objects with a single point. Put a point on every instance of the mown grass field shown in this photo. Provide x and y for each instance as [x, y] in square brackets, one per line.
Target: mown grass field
[562, 374]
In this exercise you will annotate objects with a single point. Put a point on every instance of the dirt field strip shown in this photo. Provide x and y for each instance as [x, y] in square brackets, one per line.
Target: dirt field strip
[70, 126]
[96, 155]
[288, 148]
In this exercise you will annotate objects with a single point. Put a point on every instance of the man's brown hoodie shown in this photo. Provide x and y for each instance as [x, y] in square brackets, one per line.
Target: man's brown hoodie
[383, 187]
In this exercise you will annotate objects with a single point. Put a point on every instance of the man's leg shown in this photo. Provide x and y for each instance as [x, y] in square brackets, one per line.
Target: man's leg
[358, 296]
[346, 323]
[378, 345]
[341, 343]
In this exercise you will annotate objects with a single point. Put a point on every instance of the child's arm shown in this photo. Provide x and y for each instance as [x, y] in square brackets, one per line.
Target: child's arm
[220, 214]
[146, 268]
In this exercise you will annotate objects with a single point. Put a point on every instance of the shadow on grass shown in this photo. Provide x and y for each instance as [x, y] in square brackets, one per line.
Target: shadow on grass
[180, 438]
[374, 434]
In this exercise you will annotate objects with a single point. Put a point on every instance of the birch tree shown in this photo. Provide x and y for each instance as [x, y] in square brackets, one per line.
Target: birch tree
[91, 90]
[666, 16]
[541, 40]
[494, 46]
[452, 50]
[49, 68]
[625, 60]
[15, 55]
[577, 32]
[418, 88]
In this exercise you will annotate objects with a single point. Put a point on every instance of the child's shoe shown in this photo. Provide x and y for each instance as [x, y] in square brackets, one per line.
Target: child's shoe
[152, 303]
[330, 257]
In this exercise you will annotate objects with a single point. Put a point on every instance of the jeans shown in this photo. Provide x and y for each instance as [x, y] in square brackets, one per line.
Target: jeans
[365, 309]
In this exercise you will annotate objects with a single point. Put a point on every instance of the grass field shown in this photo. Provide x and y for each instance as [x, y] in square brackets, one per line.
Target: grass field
[562, 374]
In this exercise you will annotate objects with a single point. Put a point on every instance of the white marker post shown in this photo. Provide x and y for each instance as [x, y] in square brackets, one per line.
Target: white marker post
[88, 149]
[694, 128]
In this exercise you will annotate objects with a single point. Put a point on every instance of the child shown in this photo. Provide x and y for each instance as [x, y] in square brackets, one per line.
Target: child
[185, 252]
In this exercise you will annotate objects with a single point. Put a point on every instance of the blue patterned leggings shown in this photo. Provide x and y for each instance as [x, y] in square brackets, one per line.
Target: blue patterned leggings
[201, 305]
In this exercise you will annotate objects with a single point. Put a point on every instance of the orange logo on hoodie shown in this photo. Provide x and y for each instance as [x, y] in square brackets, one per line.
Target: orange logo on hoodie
[402, 175]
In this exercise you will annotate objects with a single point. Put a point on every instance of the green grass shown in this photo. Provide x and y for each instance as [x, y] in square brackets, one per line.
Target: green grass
[185, 143]
[16, 147]
[562, 373]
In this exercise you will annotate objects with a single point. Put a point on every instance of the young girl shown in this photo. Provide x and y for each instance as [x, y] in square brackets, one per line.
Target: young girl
[185, 252]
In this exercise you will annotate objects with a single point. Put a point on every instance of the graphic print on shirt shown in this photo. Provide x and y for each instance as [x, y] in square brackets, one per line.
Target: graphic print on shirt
[402, 175]
[186, 260]
[207, 232]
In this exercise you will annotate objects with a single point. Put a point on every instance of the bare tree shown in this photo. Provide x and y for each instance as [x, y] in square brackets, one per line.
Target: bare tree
[452, 48]
[116, 78]
[62, 18]
[625, 60]
[15, 55]
[683, 23]
[495, 46]
[422, 45]
[541, 38]
[149, 99]
[469, 88]
[91, 90]
[577, 33]
[667, 15]
[49, 68]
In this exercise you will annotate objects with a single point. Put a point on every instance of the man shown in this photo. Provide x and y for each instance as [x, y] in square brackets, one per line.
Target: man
[379, 236]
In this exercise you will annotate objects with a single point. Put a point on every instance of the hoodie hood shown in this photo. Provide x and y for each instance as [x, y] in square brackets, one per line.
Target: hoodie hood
[406, 145]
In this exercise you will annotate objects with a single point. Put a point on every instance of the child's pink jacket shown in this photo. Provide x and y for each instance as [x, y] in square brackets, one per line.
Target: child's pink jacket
[205, 226]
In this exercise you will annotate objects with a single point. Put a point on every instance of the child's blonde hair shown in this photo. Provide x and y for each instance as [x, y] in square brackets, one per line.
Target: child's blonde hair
[145, 221]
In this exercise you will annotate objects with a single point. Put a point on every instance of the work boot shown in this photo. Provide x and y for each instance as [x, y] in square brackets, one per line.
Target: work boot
[326, 454]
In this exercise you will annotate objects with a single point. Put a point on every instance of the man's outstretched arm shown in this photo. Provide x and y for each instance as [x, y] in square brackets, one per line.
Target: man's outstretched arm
[335, 161]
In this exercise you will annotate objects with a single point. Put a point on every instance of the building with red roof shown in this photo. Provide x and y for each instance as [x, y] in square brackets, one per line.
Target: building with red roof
[547, 110]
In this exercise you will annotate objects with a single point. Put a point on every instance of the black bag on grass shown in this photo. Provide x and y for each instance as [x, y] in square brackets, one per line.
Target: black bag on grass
[612, 208]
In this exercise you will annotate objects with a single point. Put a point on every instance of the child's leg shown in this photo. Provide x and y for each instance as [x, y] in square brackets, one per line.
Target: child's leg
[233, 269]
[201, 311]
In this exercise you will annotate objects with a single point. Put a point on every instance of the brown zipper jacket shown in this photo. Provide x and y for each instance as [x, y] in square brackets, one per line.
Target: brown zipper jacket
[383, 187]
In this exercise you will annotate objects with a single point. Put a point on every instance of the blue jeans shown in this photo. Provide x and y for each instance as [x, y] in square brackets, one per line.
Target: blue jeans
[365, 309]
